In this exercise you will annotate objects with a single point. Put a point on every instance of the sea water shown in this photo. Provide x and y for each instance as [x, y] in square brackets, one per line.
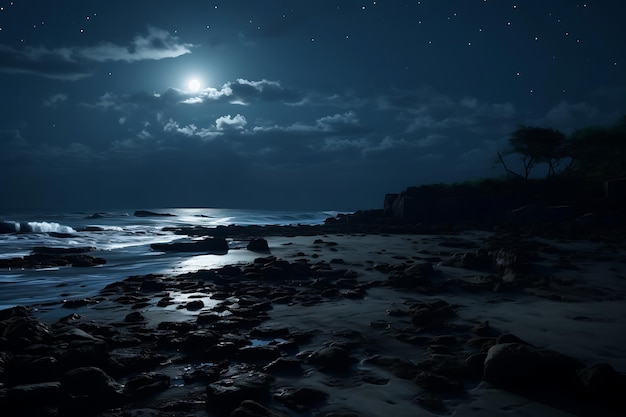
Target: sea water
[123, 240]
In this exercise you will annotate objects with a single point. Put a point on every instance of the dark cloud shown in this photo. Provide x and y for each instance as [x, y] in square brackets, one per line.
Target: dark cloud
[54, 64]
[75, 63]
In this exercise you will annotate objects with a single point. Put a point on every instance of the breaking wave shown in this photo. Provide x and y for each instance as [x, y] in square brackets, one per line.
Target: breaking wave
[34, 227]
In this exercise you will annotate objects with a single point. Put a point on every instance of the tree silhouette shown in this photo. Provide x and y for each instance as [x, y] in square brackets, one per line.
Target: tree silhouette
[598, 152]
[535, 145]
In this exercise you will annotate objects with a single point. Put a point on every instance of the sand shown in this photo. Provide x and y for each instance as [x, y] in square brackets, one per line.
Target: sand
[580, 313]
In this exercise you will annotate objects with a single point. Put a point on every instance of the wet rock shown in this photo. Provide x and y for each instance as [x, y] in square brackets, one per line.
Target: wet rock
[483, 329]
[331, 359]
[194, 305]
[446, 365]
[92, 382]
[29, 369]
[216, 245]
[145, 213]
[82, 353]
[270, 331]
[284, 366]
[478, 260]
[199, 340]
[78, 303]
[134, 317]
[226, 394]
[431, 314]
[437, 383]
[475, 364]
[601, 382]
[431, 403]
[33, 396]
[122, 362]
[520, 367]
[19, 329]
[62, 250]
[398, 367]
[250, 408]
[146, 384]
[299, 399]
[258, 245]
[265, 353]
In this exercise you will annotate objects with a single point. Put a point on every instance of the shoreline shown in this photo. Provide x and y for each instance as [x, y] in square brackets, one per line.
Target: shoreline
[341, 324]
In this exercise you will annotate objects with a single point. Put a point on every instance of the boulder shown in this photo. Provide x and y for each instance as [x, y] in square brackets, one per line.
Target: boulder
[249, 408]
[299, 399]
[227, 394]
[331, 359]
[258, 245]
[145, 213]
[92, 382]
[214, 245]
[521, 367]
[146, 384]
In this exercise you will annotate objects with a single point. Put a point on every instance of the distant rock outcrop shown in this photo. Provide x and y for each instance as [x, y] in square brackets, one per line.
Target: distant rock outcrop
[145, 213]
[215, 245]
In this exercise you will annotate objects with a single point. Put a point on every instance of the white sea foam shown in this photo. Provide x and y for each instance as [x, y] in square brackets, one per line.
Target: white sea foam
[34, 227]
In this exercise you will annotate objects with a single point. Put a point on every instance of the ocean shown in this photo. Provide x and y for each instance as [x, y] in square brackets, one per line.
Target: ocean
[123, 240]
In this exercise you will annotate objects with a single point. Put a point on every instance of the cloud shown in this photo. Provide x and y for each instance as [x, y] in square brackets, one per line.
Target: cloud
[55, 100]
[241, 92]
[74, 63]
[328, 124]
[426, 108]
[227, 122]
[157, 44]
[54, 64]
[222, 124]
[189, 130]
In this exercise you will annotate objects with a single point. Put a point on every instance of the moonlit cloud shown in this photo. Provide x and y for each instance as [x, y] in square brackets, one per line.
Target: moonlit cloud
[227, 122]
[52, 64]
[55, 100]
[76, 62]
[157, 44]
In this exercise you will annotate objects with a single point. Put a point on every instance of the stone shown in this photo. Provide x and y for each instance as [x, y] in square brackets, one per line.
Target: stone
[601, 381]
[521, 367]
[284, 366]
[249, 408]
[227, 394]
[29, 369]
[431, 314]
[30, 395]
[415, 275]
[93, 383]
[437, 383]
[398, 367]
[200, 340]
[431, 403]
[145, 213]
[299, 399]
[448, 365]
[258, 245]
[331, 359]
[146, 384]
[134, 317]
[214, 245]
[21, 331]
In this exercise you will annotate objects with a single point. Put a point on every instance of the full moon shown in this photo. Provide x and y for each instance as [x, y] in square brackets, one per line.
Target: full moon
[194, 85]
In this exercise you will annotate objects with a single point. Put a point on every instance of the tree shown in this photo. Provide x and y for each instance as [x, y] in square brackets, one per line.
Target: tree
[535, 145]
[598, 152]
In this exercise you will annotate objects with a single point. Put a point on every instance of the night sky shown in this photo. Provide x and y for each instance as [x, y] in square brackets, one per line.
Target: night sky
[287, 104]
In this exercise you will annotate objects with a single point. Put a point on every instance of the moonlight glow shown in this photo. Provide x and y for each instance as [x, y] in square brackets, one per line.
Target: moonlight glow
[194, 85]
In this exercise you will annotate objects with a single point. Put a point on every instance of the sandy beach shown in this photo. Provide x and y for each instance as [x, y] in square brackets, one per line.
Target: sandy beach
[470, 323]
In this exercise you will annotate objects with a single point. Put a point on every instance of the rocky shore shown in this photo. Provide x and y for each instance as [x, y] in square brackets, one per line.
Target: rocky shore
[363, 316]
